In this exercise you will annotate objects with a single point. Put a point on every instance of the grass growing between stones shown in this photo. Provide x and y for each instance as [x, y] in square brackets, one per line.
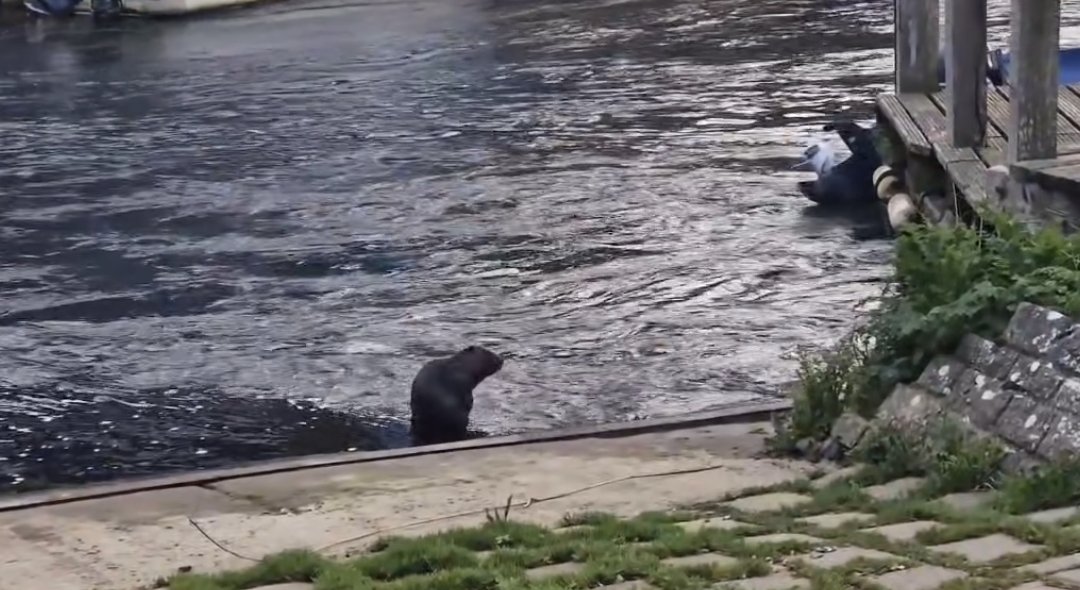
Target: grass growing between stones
[947, 282]
[606, 550]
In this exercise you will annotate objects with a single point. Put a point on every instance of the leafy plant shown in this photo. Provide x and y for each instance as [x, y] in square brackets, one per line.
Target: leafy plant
[947, 282]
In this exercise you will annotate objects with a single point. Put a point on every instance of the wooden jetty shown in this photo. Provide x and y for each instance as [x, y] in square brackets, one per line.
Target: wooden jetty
[969, 144]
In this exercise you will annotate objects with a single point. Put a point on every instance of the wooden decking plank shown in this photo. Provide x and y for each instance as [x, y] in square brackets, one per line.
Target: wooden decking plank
[1069, 105]
[931, 120]
[997, 107]
[992, 130]
[993, 154]
[894, 111]
[970, 178]
[1064, 125]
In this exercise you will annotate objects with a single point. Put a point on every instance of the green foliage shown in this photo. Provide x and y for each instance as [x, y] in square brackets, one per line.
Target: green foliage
[948, 281]
[953, 459]
[287, 566]
[1051, 486]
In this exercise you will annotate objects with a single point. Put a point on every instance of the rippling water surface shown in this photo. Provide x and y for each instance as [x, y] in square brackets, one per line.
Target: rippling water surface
[238, 237]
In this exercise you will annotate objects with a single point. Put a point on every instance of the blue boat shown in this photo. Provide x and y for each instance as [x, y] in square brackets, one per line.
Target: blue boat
[998, 61]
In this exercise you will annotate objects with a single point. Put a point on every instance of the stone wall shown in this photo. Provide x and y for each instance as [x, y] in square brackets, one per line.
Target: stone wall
[1025, 390]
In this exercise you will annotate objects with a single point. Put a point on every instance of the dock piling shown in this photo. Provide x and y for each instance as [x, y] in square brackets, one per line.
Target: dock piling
[965, 72]
[1033, 78]
[918, 37]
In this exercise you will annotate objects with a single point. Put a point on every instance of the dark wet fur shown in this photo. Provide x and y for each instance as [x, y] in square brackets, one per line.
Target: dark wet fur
[442, 395]
[850, 182]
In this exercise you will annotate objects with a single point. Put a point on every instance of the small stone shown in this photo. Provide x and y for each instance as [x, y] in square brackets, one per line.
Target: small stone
[1067, 578]
[712, 560]
[1024, 422]
[927, 577]
[896, 489]
[940, 375]
[1053, 515]
[1062, 438]
[986, 357]
[572, 529]
[985, 549]
[835, 521]
[904, 531]
[807, 448]
[849, 429]
[569, 568]
[779, 581]
[1053, 565]
[724, 524]
[832, 450]
[1037, 377]
[967, 501]
[769, 502]
[631, 585]
[783, 538]
[845, 555]
[838, 475]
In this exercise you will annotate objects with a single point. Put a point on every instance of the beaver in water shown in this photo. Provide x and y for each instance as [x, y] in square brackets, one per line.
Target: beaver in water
[442, 394]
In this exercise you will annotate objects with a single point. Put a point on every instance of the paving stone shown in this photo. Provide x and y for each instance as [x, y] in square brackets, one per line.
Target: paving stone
[1062, 437]
[927, 577]
[1036, 376]
[836, 520]
[967, 500]
[714, 560]
[986, 357]
[569, 568]
[1035, 329]
[985, 549]
[1053, 515]
[1034, 586]
[904, 531]
[1053, 565]
[633, 585]
[941, 374]
[779, 581]
[721, 523]
[979, 397]
[769, 502]
[290, 586]
[574, 528]
[896, 489]
[1024, 422]
[849, 429]
[838, 475]
[778, 538]
[1067, 578]
[843, 556]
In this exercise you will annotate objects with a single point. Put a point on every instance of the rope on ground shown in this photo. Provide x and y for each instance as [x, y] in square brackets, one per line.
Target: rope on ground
[524, 504]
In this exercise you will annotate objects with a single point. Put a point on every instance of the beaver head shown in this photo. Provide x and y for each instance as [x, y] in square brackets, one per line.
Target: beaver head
[478, 361]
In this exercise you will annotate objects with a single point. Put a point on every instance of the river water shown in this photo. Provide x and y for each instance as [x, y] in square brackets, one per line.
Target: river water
[238, 237]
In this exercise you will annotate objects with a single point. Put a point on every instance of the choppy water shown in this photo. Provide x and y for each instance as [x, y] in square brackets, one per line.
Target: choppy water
[238, 237]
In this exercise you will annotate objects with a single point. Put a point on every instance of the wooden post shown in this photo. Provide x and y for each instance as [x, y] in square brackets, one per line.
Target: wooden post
[918, 37]
[965, 72]
[1034, 77]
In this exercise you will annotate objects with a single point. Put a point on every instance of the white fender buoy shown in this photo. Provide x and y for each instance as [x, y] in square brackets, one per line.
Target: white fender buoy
[886, 182]
[901, 210]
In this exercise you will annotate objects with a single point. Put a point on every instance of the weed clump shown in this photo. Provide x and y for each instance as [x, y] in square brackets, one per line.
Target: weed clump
[1051, 486]
[947, 282]
[950, 457]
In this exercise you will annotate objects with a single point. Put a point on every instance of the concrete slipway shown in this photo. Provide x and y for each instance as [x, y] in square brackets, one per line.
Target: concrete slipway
[124, 536]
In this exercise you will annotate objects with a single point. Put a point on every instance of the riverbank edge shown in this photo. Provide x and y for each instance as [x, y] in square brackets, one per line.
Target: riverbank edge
[742, 412]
